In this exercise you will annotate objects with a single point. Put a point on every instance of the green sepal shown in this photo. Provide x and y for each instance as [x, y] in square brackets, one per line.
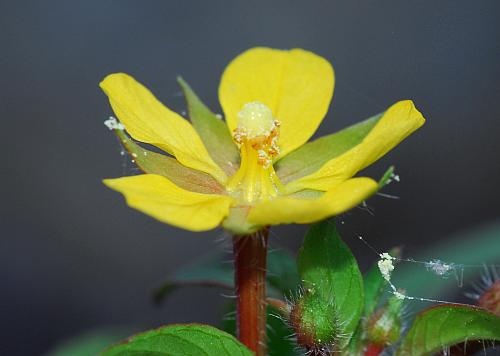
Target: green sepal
[213, 131]
[440, 327]
[168, 167]
[180, 340]
[329, 270]
[236, 222]
[313, 155]
[386, 178]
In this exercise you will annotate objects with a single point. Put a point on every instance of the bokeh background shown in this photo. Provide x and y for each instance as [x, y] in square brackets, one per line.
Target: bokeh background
[73, 257]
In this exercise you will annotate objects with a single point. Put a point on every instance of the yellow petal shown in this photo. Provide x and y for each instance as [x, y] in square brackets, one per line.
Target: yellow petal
[156, 196]
[148, 120]
[296, 85]
[398, 122]
[285, 210]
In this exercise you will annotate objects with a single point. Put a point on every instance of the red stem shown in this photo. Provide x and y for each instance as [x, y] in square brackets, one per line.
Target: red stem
[250, 252]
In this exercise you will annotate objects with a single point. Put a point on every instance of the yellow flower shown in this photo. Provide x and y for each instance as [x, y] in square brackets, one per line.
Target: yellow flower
[259, 169]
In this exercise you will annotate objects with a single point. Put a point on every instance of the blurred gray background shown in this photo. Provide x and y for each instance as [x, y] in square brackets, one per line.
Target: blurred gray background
[74, 257]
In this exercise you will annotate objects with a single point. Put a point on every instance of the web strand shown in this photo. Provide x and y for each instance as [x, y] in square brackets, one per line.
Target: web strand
[436, 266]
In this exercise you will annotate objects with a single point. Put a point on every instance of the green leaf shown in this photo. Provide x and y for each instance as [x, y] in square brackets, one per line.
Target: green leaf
[91, 342]
[181, 340]
[447, 325]
[329, 270]
[213, 270]
[282, 271]
[313, 155]
[374, 285]
[356, 342]
[155, 163]
[477, 247]
[213, 131]
[209, 267]
[206, 270]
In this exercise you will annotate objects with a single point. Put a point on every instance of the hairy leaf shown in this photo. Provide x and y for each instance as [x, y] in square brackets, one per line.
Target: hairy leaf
[446, 325]
[173, 340]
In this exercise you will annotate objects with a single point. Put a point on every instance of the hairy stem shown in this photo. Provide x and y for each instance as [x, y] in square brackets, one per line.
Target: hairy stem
[250, 252]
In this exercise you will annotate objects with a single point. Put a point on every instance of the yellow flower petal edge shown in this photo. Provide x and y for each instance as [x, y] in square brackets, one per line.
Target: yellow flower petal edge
[148, 120]
[398, 122]
[285, 210]
[156, 196]
[296, 85]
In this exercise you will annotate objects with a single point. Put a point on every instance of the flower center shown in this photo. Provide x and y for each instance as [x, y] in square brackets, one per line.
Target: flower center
[256, 135]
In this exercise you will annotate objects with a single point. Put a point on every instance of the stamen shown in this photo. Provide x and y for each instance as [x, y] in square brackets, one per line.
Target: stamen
[257, 126]
[257, 137]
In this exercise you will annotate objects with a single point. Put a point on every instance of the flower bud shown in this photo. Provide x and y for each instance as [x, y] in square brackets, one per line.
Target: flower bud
[490, 299]
[384, 327]
[314, 322]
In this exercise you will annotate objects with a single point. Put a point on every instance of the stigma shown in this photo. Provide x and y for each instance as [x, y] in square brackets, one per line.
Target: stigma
[256, 135]
[258, 127]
